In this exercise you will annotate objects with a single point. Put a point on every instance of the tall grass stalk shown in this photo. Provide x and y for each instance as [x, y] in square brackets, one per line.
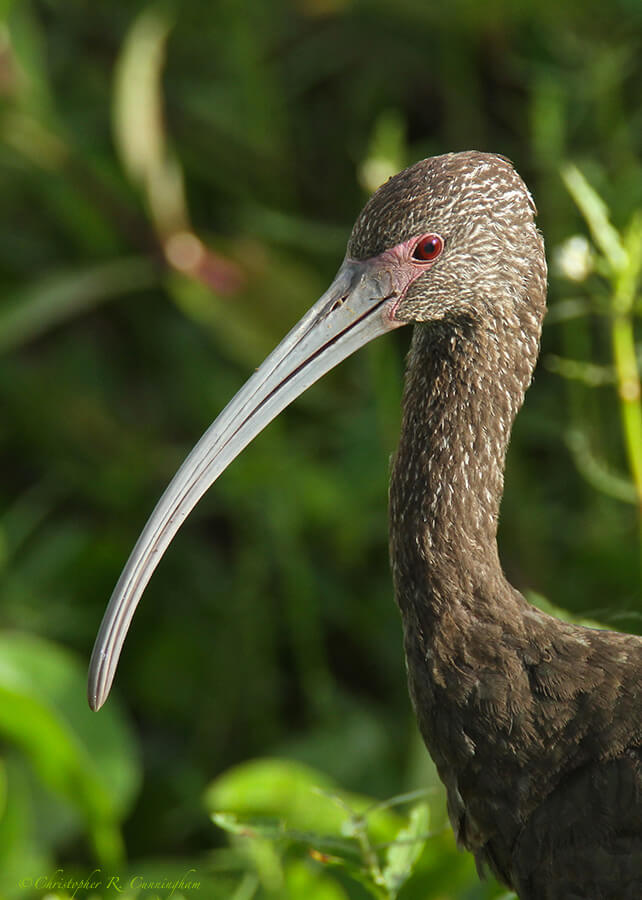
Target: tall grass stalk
[622, 258]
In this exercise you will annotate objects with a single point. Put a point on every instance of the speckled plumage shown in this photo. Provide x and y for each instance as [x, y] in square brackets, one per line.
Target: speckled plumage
[535, 725]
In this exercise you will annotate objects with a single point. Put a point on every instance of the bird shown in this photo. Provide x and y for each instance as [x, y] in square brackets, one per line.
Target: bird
[534, 724]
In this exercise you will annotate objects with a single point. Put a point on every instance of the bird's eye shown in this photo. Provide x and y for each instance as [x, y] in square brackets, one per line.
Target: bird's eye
[428, 248]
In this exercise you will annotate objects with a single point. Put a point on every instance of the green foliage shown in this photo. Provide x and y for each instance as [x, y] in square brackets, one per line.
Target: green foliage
[619, 259]
[285, 818]
[405, 850]
[89, 770]
[177, 183]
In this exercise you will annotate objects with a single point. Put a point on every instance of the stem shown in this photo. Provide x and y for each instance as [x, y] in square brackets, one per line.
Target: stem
[625, 358]
[623, 255]
[628, 386]
[368, 855]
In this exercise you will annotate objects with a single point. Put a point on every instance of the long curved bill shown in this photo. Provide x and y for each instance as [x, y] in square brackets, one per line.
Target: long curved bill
[356, 308]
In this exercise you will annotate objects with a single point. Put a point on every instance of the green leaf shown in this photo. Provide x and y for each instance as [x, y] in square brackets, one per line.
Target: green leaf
[139, 126]
[305, 880]
[596, 213]
[387, 151]
[24, 850]
[87, 760]
[251, 828]
[406, 849]
[304, 798]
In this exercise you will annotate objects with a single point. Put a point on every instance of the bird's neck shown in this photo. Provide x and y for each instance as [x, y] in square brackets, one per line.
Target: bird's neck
[464, 386]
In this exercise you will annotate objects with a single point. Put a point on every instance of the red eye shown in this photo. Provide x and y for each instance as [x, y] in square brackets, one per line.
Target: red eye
[428, 248]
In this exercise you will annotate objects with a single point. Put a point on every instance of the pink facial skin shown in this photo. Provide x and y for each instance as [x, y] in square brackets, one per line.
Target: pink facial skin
[404, 264]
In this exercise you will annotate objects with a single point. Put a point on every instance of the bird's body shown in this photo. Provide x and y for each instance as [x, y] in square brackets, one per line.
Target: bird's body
[535, 725]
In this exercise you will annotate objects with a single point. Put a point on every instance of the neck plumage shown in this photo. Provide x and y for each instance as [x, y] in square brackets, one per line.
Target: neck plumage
[464, 386]
[465, 627]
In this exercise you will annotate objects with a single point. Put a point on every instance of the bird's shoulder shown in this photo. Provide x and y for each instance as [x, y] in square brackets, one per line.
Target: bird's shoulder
[564, 660]
[586, 684]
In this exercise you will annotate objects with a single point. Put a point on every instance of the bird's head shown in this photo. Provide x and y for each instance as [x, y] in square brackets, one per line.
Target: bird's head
[445, 238]
[459, 230]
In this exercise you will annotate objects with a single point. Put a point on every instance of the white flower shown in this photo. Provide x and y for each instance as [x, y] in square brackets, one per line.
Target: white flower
[574, 258]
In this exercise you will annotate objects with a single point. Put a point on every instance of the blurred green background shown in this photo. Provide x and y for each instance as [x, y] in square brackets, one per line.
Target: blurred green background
[177, 183]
